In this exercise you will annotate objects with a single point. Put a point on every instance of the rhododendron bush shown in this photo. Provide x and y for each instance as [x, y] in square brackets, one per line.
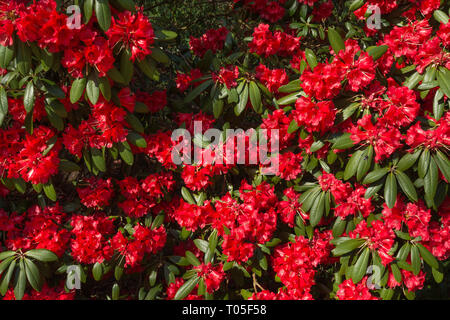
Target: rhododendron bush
[357, 207]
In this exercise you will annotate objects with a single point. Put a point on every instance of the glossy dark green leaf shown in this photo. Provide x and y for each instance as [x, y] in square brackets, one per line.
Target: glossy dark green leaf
[125, 153]
[103, 13]
[186, 288]
[343, 142]
[347, 246]
[77, 89]
[311, 58]
[375, 175]
[377, 52]
[97, 271]
[243, 99]
[352, 164]
[365, 163]
[317, 210]
[198, 90]
[430, 181]
[408, 160]
[427, 256]
[443, 164]
[6, 55]
[406, 185]
[443, 78]
[390, 190]
[293, 86]
[255, 97]
[29, 97]
[187, 196]
[50, 191]
[33, 275]
[98, 159]
[21, 281]
[336, 41]
[3, 104]
[43, 255]
[92, 90]
[415, 260]
[360, 268]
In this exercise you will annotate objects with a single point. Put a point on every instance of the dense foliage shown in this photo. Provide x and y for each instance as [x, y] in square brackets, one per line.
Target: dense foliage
[358, 208]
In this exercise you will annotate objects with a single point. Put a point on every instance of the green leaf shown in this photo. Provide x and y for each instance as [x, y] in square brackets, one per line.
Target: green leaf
[43, 255]
[293, 86]
[202, 245]
[396, 272]
[97, 271]
[408, 160]
[347, 246]
[335, 40]
[404, 251]
[243, 99]
[159, 56]
[317, 209]
[375, 175]
[23, 57]
[443, 78]
[3, 104]
[431, 179]
[440, 16]
[68, 166]
[88, 7]
[289, 99]
[339, 227]
[127, 68]
[103, 13]
[406, 185]
[105, 88]
[6, 55]
[125, 153]
[360, 268]
[32, 273]
[424, 163]
[186, 288]
[350, 110]
[217, 108]
[390, 190]
[343, 142]
[255, 97]
[7, 277]
[352, 164]
[116, 76]
[92, 90]
[137, 140]
[192, 258]
[355, 5]
[77, 89]
[443, 163]
[21, 281]
[115, 292]
[412, 81]
[187, 196]
[293, 126]
[165, 35]
[364, 163]
[415, 260]
[28, 97]
[437, 275]
[197, 91]
[49, 191]
[427, 256]
[4, 255]
[438, 108]
[98, 159]
[311, 58]
[148, 67]
[377, 52]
